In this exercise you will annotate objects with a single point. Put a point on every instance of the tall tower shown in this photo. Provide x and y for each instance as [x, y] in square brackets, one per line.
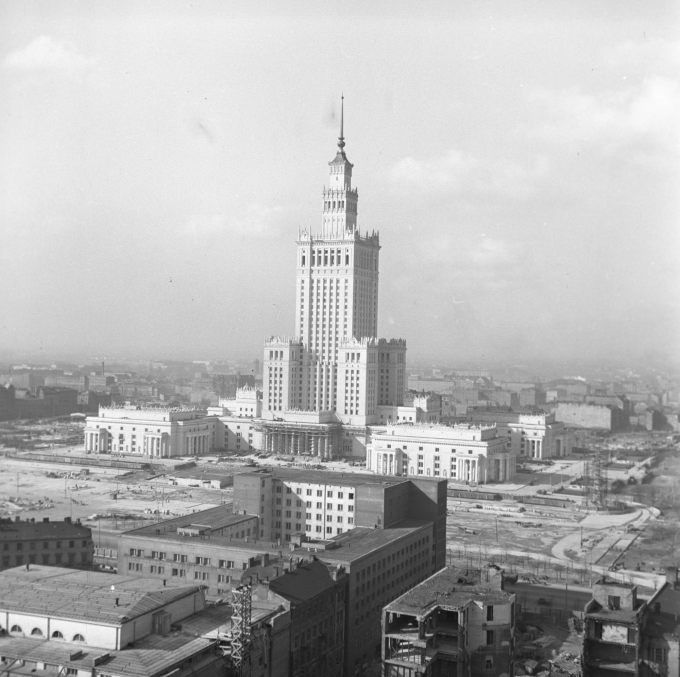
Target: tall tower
[335, 367]
[337, 269]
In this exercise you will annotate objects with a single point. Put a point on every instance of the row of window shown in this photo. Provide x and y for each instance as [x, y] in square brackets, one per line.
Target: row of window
[32, 545]
[47, 558]
[37, 632]
[184, 559]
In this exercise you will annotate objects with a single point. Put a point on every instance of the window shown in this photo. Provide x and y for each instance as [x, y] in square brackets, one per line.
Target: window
[78, 638]
[57, 635]
[16, 628]
[36, 632]
[488, 663]
[614, 602]
[489, 613]
[489, 637]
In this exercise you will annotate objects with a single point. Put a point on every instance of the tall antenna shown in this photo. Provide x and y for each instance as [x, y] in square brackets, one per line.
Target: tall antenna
[341, 138]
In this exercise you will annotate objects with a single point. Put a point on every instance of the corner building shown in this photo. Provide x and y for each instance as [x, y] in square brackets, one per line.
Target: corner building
[325, 385]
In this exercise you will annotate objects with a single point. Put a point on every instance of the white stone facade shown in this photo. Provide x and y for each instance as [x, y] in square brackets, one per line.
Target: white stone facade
[335, 363]
[472, 454]
[160, 432]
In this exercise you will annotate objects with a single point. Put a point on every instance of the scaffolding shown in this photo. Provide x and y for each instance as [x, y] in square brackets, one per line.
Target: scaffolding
[240, 630]
[596, 482]
[600, 480]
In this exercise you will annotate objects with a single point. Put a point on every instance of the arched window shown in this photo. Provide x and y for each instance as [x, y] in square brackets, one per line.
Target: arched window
[16, 628]
[78, 638]
[57, 635]
[36, 632]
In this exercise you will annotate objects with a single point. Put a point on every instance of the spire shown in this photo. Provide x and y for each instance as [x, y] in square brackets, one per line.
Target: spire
[341, 138]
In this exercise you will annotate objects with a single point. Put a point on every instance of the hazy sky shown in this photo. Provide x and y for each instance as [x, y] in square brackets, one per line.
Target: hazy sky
[520, 160]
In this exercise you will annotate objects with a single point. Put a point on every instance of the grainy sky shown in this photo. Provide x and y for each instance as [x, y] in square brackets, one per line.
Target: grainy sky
[520, 160]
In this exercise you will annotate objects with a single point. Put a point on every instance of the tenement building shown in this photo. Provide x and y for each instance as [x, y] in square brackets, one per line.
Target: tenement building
[473, 454]
[457, 622]
[26, 542]
[323, 387]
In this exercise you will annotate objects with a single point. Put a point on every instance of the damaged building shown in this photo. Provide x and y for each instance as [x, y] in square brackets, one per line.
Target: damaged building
[456, 622]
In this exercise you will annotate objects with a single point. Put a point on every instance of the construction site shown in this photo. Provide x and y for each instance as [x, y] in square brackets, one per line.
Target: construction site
[557, 521]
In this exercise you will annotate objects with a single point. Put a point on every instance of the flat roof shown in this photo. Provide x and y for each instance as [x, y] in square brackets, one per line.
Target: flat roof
[361, 541]
[84, 595]
[453, 587]
[212, 519]
[305, 475]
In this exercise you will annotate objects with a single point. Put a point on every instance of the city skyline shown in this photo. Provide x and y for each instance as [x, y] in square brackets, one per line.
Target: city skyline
[519, 162]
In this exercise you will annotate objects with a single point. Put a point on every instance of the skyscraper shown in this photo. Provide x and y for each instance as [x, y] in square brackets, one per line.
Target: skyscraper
[325, 385]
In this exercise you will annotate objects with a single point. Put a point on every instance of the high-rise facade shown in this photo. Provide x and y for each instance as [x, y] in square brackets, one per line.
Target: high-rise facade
[325, 385]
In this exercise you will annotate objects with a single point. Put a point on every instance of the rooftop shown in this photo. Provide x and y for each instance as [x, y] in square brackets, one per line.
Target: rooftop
[304, 475]
[357, 543]
[301, 581]
[453, 587]
[211, 519]
[83, 595]
[150, 656]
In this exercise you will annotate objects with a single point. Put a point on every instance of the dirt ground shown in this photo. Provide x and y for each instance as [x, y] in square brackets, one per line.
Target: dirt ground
[552, 535]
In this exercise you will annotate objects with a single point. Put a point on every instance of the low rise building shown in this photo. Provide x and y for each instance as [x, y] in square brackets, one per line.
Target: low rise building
[457, 622]
[64, 622]
[154, 431]
[625, 635]
[469, 453]
[211, 548]
[595, 416]
[24, 542]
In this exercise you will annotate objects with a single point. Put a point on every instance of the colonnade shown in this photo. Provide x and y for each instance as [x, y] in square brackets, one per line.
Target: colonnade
[298, 442]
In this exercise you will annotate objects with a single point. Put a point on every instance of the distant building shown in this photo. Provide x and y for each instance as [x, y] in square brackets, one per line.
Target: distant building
[594, 416]
[463, 453]
[457, 622]
[528, 434]
[24, 542]
[157, 431]
[45, 402]
[238, 430]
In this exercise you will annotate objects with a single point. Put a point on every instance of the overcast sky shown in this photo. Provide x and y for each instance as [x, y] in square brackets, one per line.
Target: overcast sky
[520, 160]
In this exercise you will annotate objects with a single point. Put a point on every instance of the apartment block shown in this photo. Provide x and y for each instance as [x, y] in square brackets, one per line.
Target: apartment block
[25, 542]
